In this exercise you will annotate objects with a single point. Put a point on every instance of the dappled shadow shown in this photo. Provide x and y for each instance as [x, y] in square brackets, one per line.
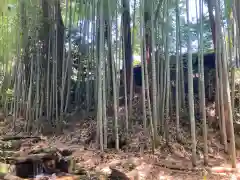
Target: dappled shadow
[116, 174]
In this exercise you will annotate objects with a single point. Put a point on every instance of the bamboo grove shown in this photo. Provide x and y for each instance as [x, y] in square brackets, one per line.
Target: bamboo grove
[58, 57]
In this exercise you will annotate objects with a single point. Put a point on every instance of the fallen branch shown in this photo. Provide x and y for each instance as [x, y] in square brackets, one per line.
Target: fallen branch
[15, 144]
[43, 150]
[223, 170]
[9, 138]
[176, 166]
[67, 177]
[32, 157]
[70, 177]
[11, 177]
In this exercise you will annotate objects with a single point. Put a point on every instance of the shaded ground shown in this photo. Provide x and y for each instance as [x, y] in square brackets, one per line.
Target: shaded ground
[136, 159]
[172, 162]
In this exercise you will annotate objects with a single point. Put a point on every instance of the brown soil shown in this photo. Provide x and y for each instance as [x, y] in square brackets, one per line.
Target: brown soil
[135, 160]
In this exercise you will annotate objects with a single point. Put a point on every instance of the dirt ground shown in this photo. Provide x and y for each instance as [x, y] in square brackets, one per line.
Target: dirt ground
[171, 162]
[136, 160]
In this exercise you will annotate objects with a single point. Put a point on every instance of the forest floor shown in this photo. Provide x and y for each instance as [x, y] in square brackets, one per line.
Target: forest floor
[135, 160]
[171, 162]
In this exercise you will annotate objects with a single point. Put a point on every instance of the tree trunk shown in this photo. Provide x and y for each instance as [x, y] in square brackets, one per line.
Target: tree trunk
[212, 21]
[45, 34]
[127, 40]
